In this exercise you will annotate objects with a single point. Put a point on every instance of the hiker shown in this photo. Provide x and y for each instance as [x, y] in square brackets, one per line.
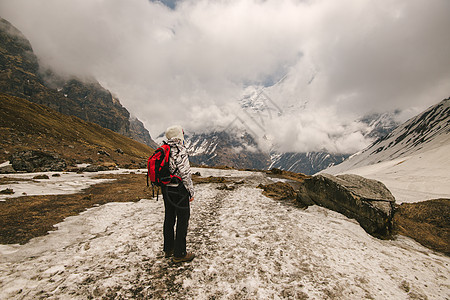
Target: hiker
[177, 197]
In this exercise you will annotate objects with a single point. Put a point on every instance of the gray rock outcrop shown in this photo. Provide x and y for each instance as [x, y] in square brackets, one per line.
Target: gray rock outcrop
[37, 161]
[365, 200]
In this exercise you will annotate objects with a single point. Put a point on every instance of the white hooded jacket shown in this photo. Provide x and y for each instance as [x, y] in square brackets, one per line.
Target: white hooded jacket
[179, 159]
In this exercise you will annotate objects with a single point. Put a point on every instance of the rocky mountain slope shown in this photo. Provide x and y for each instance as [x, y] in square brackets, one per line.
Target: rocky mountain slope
[22, 76]
[307, 163]
[29, 126]
[139, 133]
[427, 131]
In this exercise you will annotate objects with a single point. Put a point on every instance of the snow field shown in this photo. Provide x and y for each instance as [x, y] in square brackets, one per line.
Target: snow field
[247, 245]
[414, 178]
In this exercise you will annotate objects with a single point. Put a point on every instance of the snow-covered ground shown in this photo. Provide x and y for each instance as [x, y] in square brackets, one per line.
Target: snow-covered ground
[417, 177]
[248, 247]
[63, 183]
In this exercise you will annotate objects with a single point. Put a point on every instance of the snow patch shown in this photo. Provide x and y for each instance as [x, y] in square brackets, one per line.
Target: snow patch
[64, 183]
[4, 164]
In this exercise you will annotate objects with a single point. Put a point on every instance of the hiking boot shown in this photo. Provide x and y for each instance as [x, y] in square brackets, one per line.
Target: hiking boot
[187, 257]
[168, 254]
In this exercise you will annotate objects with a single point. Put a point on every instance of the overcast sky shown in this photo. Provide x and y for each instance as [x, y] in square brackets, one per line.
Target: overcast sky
[190, 62]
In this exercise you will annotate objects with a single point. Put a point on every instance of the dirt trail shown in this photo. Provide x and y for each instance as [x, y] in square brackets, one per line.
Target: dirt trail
[163, 278]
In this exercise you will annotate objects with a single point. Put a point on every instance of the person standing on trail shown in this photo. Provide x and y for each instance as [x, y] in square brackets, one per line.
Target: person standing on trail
[177, 197]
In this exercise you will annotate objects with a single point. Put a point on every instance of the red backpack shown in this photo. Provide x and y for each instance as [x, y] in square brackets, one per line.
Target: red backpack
[158, 167]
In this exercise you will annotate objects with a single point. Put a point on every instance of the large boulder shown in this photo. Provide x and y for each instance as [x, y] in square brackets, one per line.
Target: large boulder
[365, 200]
[37, 161]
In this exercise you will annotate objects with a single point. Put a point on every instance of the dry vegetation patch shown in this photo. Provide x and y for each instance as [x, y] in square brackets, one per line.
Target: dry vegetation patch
[23, 218]
[294, 179]
[279, 191]
[210, 179]
[10, 180]
[427, 222]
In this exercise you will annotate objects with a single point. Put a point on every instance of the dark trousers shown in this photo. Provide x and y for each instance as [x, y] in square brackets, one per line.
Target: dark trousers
[177, 210]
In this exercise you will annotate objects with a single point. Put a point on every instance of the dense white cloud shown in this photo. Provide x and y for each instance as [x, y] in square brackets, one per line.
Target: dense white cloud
[188, 62]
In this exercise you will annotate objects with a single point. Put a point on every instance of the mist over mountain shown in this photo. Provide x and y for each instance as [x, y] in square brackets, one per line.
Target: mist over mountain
[251, 152]
[260, 108]
[420, 135]
[22, 76]
[248, 140]
[313, 72]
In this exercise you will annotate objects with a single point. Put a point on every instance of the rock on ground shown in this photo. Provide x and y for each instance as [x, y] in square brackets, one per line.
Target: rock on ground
[366, 200]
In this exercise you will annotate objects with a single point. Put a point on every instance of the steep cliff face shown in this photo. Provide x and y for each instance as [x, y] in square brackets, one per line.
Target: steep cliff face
[139, 133]
[98, 105]
[16, 50]
[21, 76]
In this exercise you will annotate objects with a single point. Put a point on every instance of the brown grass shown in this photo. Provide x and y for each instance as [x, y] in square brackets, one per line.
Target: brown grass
[427, 222]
